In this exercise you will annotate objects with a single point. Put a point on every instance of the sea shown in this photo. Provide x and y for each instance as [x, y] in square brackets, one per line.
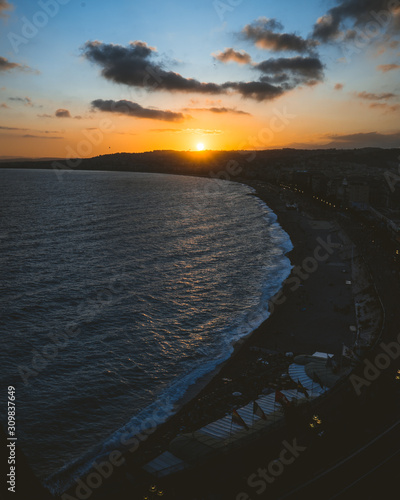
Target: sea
[119, 291]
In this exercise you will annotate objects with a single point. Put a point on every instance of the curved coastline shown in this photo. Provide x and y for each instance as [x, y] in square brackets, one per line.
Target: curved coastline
[259, 317]
[262, 333]
[62, 479]
[284, 330]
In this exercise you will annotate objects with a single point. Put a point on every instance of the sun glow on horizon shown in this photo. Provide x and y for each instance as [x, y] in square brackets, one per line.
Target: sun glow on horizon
[200, 146]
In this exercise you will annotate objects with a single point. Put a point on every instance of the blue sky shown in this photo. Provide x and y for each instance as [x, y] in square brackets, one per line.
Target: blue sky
[355, 91]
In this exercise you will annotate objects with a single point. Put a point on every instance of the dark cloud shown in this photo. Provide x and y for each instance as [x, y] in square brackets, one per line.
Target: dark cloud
[293, 71]
[384, 106]
[365, 140]
[133, 65]
[4, 6]
[260, 90]
[229, 54]
[369, 96]
[12, 128]
[263, 32]
[219, 110]
[31, 136]
[62, 113]
[133, 109]
[378, 101]
[26, 101]
[359, 13]
[198, 131]
[388, 67]
[29, 130]
[6, 65]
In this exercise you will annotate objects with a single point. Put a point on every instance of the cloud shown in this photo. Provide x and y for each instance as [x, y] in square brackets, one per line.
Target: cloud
[133, 109]
[197, 131]
[158, 130]
[4, 6]
[377, 100]
[3, 105]
[31, 136]
[219, 110]
[210, 102]
[29, 130]
[339, 86]
[365, 140]
[359, 13]
[12, 128]
[26, 101]
[263, 32]
[62, 113]
[390, 108]
[202, 131]
[375, 97]
[259, 90]
[229, 54]
[388, 67]
[291, 72]
[6, 65]
[133, 66]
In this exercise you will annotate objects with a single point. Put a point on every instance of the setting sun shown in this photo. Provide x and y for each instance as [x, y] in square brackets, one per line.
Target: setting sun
[200, 146]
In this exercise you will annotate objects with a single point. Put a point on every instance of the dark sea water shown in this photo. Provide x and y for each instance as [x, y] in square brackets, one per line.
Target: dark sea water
[118, 291]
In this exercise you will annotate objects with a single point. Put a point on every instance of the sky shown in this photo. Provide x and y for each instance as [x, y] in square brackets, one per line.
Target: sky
[84, 78]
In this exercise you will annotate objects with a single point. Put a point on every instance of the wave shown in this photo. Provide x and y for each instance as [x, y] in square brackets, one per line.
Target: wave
[279, 268]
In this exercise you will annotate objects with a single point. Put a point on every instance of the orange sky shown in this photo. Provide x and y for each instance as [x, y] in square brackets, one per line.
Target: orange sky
[317, 91]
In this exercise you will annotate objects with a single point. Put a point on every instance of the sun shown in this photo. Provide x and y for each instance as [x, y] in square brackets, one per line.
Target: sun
[200, 146]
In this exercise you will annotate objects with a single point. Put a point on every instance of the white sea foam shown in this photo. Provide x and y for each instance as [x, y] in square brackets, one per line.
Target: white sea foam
[166, 403]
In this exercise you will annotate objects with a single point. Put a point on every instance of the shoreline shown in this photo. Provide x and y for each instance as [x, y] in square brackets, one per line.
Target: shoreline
[290, 327]
[205, 380]
[271, 201]
[195, 389]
